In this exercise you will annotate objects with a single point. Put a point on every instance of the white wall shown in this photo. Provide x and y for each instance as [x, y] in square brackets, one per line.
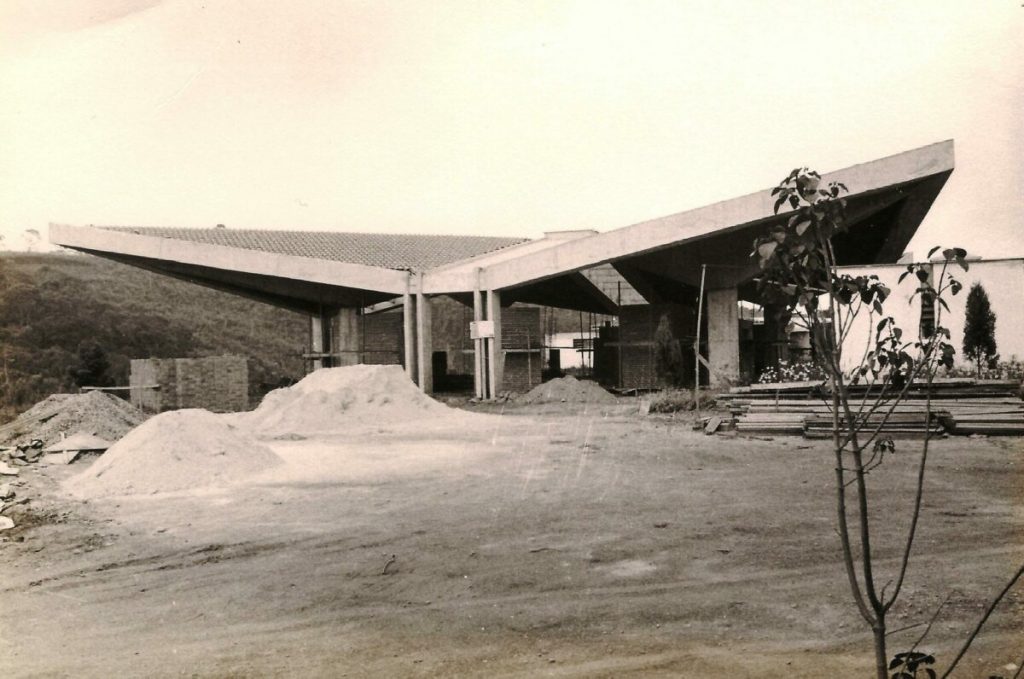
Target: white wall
[1003, 281]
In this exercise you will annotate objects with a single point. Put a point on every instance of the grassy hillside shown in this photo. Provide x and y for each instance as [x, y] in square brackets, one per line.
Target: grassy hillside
[52, 303]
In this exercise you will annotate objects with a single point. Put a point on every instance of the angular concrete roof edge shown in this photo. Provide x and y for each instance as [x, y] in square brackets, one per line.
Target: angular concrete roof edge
[701, 222]
[323, 271]
[461, 276]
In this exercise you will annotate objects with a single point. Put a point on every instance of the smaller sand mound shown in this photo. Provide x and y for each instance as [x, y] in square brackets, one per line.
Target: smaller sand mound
[93, 412]
[337, 399]
[567, 389]
[178, 450]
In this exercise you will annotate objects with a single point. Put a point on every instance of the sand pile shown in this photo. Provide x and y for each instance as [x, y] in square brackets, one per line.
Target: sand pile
[93, 412]
[336, 399]
[178, 450]
[567, 389]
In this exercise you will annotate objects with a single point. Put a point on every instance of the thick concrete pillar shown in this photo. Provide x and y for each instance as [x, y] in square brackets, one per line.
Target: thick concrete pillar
[723, 337]
[347, 338]
[495, 355]
[316, 334]
[424, 345]
[479, 378]
[409, 335]
[776, 341]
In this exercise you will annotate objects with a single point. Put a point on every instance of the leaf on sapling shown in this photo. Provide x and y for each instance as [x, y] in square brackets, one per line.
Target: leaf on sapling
[922, 275]
[930, 252]
[767, 249]
[794, 201]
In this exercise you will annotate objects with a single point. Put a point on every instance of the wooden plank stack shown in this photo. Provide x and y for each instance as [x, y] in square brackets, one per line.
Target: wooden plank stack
[959, 406]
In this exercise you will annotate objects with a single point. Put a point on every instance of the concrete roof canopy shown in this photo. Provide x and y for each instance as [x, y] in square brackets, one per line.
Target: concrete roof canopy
[661, 258]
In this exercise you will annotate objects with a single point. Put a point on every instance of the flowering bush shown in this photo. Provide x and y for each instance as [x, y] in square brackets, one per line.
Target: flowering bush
[802, 371]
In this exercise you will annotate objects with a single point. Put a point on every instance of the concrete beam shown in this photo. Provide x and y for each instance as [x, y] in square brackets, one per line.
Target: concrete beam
[462, 276]
[229, 259]
[649, 236]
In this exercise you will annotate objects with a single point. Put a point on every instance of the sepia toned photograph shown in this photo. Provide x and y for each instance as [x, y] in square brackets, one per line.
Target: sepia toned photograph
[511, 339]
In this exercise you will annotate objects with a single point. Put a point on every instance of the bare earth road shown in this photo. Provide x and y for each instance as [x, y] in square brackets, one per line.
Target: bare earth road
[534, 544]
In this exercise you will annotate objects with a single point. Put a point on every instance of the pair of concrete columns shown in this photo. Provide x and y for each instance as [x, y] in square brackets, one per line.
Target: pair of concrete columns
[337, 339]
[489, 359]
[340, 336]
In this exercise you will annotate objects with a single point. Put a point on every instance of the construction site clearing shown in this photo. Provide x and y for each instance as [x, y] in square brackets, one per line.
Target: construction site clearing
[352, 526]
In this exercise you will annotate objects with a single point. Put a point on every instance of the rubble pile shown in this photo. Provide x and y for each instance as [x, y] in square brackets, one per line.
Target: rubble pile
[175, 451]
[62, 415]
[568, 389]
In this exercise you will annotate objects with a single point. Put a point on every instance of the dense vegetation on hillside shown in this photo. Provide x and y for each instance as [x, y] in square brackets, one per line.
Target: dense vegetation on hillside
[51, 305]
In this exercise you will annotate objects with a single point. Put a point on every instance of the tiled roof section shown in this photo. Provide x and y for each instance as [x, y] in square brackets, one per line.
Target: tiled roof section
[389, 251]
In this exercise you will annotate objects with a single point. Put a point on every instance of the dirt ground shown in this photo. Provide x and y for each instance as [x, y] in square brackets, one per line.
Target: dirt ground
[534, 543]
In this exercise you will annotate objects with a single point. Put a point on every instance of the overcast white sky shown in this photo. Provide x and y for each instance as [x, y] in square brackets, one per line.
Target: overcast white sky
[485, 117]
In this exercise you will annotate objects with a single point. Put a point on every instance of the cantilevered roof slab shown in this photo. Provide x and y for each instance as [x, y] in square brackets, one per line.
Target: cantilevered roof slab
[294, 282]
[661, 259]
[889, 199]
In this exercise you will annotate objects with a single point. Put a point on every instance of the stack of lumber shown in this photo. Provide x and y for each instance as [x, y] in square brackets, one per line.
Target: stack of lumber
[959, 406]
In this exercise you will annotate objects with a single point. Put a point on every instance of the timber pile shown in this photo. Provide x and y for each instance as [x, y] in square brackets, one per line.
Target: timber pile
[959, 406]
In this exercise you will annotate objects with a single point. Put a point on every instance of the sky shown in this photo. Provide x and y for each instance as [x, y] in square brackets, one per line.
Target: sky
[494, 118]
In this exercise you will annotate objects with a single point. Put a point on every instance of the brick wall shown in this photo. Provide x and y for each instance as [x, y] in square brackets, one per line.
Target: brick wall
[521, 339]
[635, 344]
[383, 342]
[216, 383]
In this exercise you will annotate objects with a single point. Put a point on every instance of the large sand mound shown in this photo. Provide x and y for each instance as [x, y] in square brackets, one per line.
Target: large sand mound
[93, 412]
[567, 389]
[337, 399]
[178, 450]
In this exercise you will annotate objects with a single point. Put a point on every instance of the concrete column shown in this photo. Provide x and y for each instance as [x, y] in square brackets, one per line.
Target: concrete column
[479, 379]
[495, 356]
[409, 335]
[347, 340]
[316, 334]
[723, 337]
[776, 340]
[424, 345]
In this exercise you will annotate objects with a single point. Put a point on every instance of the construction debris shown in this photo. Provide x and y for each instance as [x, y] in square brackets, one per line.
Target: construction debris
[59, 415]
[6, 523]
[68, 450]
[959, 406]
[568, 389]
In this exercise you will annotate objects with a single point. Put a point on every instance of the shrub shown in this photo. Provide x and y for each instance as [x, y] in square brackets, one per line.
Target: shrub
[673, 401]
[801, 371]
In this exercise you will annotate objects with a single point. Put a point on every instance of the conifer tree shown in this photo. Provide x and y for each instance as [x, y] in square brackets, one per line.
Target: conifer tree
[980, 329]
